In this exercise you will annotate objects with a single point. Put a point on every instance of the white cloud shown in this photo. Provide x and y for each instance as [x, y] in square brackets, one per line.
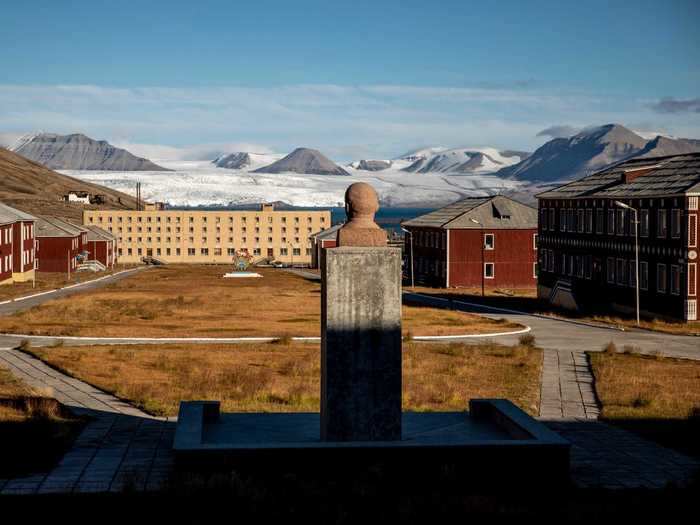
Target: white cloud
[343, 121]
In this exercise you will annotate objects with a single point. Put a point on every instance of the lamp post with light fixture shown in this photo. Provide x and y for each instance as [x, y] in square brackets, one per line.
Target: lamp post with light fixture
[636, 251]
[482, 253]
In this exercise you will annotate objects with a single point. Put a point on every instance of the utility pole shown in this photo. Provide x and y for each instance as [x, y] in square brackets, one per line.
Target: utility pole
[636, 252]
[413, 282]
[482, 254]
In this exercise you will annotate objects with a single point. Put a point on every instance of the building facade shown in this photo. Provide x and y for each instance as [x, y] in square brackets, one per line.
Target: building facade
[101, 246]
[587, 239]
[17, 245]
[489, 240]
[188, 236]
[320, 240]
[60, 245]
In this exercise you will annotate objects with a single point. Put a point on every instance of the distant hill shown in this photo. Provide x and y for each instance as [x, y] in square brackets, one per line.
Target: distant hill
[34, 188]
[306, 161]
[461, 160]
[244, 160]
[79, 152]
[591, 150]
[371, 165]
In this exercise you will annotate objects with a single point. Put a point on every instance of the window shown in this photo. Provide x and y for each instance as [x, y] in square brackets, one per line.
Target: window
[661, 278]
[661, 225]
[589, 220]
[620, 222]
[643, 275]
[534, 241]
[692, 230]
[543, 218]
[610, 268]
[296, 251]
[632, 274]
[692, 276]
[620, 272]
[579, 220]
[534, 270]
[552, 219]
[191, 251]
[562, 220]
[270, 252]
[204, 251]
[489, 270]
[283, 251]
[611, 221]
[644, 223]
[489, 241]
[675, 224]
[675, 279]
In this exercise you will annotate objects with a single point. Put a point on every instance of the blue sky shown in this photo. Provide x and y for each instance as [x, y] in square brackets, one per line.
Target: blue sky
[355, 79]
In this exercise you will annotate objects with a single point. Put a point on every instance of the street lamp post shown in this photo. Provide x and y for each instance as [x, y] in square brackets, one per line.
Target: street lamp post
[482, 253]
[413, 283]
[636, 252]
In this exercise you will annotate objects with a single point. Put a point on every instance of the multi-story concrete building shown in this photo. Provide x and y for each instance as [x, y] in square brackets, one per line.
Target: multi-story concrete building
[17, 250]
[189, 236]
[489, 241]
[587, 239]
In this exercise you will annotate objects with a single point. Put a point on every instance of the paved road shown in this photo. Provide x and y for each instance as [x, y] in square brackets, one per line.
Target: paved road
[559, 334]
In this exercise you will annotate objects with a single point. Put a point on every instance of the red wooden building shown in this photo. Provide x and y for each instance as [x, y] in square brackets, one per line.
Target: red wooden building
[17, 245]
[489, 240]
[327, 238]
[61, 246]
[587, 238]
[101, 246]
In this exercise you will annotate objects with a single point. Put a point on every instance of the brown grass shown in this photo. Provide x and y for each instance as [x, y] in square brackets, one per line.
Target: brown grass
[194, 300]
[285, 378]
[34, 430]
[527, 301]
[51, 281]
[659, 397]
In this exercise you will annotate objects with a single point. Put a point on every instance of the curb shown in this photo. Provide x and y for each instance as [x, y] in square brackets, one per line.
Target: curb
[223, 340]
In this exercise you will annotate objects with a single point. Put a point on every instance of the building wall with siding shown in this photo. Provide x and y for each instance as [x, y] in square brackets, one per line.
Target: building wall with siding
[6, 239]
[57, 254]
[23, 243]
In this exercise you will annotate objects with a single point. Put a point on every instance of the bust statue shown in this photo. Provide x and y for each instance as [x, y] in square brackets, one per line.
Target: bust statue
[361, 203]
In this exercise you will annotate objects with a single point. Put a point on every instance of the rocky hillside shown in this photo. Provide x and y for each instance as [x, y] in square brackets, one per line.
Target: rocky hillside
[304, 160]
[33, 188]
[79, 152]
[591, 150]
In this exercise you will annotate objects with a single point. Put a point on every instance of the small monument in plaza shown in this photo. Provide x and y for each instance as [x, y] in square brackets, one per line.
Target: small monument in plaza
[242, 261]
[360, 417]
[361, 328]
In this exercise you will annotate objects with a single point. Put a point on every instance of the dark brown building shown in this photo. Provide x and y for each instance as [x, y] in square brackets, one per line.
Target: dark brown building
[480, 239]
[101, 246]
[61, 246]
[17, 245]
[587, 240]
[327, 238]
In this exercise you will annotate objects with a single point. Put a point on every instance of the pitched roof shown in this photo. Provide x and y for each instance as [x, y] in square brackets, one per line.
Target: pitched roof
[95, 233]
[659, 176]
[328, 233]
[9, 215]
[497, 212]
[55, 227]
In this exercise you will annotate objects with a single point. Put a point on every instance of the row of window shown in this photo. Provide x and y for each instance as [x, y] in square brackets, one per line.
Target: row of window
[191, 252]
[438, 240]
[619, 221]
[191, 229]
[430, 266]
[204, 240]
[619, 271]
[178, 220]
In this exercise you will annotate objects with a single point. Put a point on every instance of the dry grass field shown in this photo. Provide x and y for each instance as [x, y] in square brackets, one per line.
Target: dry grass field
[276, 377]
[527, 301]
[194, 300]
[34, 430]
[51, 281]
[656, 396]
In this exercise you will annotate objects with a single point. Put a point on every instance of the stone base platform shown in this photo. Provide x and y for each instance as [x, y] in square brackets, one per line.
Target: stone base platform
[494, 442]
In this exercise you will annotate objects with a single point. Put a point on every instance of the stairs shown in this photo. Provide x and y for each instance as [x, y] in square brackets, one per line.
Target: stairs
[91, 266]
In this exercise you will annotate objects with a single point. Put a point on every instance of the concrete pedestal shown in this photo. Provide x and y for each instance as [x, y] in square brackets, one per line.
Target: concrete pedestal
[361, 344]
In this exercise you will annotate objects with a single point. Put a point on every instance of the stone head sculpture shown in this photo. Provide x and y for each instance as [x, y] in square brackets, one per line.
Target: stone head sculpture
[361, 203]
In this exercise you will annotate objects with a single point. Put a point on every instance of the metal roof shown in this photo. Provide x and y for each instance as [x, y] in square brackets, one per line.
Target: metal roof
[497, 212]
[95, 233]
[9, 215]
[55, 227]
[328, 233]
[660, 176]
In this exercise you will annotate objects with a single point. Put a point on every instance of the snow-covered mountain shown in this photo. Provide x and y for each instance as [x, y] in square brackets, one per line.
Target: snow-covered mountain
[371, 165]
[79, 152]
[462, 160]
[245, 159]
[591, 150]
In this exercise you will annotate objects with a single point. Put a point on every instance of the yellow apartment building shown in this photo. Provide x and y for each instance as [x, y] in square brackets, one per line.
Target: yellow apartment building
[188, 236]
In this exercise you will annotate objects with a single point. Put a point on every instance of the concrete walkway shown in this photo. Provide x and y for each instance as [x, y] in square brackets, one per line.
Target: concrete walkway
[120, 446]
[567, 389]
